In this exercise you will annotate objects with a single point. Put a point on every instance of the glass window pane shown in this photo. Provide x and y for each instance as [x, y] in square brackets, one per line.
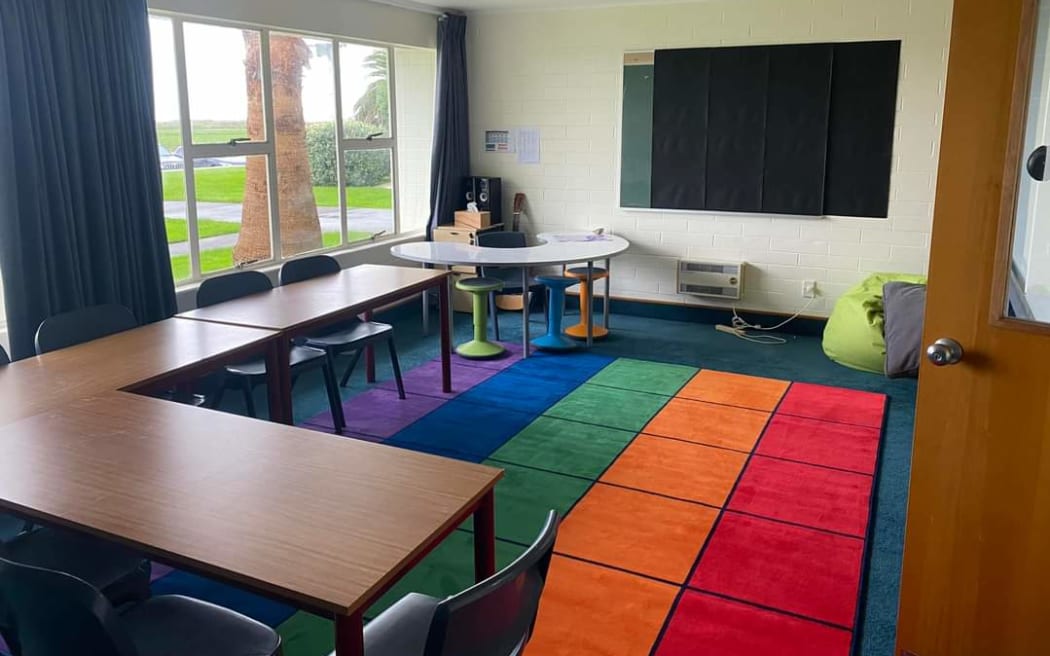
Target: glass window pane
[233, 211]
[224, 80]
[364, 84]
[369, 193]
[303, 74]
[169, 143]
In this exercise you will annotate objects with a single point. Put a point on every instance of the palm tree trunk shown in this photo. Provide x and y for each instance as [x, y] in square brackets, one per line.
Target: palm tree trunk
[297, 208]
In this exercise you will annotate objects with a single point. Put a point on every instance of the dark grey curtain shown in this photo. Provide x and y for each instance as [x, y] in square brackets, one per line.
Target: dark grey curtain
[451, 158]
[81, 210]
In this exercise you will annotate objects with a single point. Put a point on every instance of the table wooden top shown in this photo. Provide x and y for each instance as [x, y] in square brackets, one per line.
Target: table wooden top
[131, 359]
[303, 304]
[322, 521]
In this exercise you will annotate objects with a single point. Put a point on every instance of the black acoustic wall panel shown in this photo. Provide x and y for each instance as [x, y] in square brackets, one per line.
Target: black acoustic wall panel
[800, 129]
[736, 128]
[796, 130]
[860, 132]
[680, 131]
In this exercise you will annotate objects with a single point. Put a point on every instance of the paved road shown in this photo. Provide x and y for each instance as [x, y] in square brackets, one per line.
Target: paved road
[364, 220]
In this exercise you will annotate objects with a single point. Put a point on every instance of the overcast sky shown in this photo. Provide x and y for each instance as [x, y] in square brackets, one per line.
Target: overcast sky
[215, 75]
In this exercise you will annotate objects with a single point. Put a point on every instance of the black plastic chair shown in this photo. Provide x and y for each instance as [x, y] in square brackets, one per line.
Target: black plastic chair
[351, 336]
[83, 325]
[247, 375]
[494, 617]
[56, 613]
[510, 276]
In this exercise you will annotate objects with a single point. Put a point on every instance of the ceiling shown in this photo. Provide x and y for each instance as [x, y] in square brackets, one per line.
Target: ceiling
[517, 5]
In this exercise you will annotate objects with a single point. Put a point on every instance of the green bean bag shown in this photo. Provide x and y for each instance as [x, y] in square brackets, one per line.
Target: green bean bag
[853, 336]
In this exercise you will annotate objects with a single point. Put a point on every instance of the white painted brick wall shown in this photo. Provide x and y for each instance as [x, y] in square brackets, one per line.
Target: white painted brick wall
[414, 71]
[562, 72]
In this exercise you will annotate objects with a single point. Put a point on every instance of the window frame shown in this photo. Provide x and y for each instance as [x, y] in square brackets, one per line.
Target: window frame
[267, 148]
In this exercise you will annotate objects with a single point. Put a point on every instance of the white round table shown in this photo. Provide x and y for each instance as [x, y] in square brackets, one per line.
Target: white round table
[553, 249]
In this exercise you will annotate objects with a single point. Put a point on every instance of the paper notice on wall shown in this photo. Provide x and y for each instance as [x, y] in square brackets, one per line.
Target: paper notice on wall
[528, 145]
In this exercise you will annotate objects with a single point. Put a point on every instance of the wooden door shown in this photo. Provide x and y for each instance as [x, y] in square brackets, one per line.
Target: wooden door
[976, 574]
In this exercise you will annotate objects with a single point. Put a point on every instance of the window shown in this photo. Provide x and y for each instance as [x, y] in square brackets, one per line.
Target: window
[273, 144]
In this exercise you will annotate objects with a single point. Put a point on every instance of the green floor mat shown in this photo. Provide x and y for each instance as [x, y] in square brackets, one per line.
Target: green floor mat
[306, 634]
[566, 447]
[644, 376]
[608, 406]
[525, 496]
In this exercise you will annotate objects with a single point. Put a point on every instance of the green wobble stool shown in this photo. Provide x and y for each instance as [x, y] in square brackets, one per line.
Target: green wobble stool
[480, 347]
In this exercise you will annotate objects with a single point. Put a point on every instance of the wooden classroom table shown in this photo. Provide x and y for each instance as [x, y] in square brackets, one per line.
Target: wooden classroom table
[142, 360]
[297, 309]
[324, 522]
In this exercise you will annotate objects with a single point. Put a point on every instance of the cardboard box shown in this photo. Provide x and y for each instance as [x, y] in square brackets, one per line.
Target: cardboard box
[466, 219]
[452, 233]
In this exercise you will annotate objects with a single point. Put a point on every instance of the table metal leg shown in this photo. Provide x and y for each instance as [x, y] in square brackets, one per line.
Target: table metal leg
[606, 301]
[444, 300]
[590, 310]
[370, 356]
[426, 313]
[350, 635]
[525, 312]
[279, 381]
[485, 537]
[451, 320]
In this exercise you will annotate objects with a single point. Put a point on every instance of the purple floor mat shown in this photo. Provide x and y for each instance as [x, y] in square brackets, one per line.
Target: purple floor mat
[157, 571]
[426, 379]
[378, 413]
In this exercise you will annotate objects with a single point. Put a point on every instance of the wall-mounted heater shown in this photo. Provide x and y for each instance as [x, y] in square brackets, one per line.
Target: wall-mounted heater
[723, 280]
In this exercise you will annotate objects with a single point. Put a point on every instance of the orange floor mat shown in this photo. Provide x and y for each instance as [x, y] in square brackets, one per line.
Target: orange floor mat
[594, 610]
[678, 469]
[636, 531]
[735, 389]
[709, 423]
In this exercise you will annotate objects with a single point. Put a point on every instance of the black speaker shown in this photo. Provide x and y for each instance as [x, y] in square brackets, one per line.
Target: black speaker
[487, 193]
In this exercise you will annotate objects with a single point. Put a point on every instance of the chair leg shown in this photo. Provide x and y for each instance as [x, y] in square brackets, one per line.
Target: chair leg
[396, 366]
[350, 368]
[494, 312]
[217, 399]
[249, 402]
[334, 400]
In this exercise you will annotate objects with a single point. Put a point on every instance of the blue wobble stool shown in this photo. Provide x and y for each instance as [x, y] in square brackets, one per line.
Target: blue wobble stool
[555, 339]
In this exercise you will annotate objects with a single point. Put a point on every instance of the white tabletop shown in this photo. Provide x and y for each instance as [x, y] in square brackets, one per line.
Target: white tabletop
[554, 248]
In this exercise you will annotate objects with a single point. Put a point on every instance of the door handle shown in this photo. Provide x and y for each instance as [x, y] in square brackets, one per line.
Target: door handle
[944, 351]
[1036, 164]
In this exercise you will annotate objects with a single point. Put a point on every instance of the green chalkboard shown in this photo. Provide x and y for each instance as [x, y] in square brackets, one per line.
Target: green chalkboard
[636, 156]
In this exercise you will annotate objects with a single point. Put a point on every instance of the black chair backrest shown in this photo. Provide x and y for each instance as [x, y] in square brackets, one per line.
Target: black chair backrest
[497, 615]
[230, 286]
[4, 359]
[305, 268]
[501, 239]
[54, 613]
[83, 325]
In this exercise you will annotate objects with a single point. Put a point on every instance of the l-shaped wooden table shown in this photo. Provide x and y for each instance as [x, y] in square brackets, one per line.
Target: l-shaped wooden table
[323, 522]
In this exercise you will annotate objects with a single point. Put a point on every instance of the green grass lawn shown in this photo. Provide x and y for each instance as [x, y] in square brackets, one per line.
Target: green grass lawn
[217, 259]
[225, 184]
[179, 232]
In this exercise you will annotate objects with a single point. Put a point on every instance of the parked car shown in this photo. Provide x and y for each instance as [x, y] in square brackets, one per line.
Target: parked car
[204, 162]
[169, 161]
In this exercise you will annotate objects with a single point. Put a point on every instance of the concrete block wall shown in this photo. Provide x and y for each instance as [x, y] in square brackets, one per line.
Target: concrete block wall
[561, 71]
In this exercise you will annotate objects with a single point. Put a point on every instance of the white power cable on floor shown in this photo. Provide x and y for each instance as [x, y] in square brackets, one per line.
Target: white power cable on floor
[740, 327]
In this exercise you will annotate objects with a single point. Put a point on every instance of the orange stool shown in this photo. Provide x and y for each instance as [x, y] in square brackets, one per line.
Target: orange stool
[579, 331]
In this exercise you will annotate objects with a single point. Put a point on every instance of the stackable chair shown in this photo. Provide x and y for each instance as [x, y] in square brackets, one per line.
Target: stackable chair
[247, 375]
[348, 337]
[52, 612]
[494, 617]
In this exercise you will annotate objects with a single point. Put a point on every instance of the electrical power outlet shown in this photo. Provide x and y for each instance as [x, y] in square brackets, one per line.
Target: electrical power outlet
[809, 289]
